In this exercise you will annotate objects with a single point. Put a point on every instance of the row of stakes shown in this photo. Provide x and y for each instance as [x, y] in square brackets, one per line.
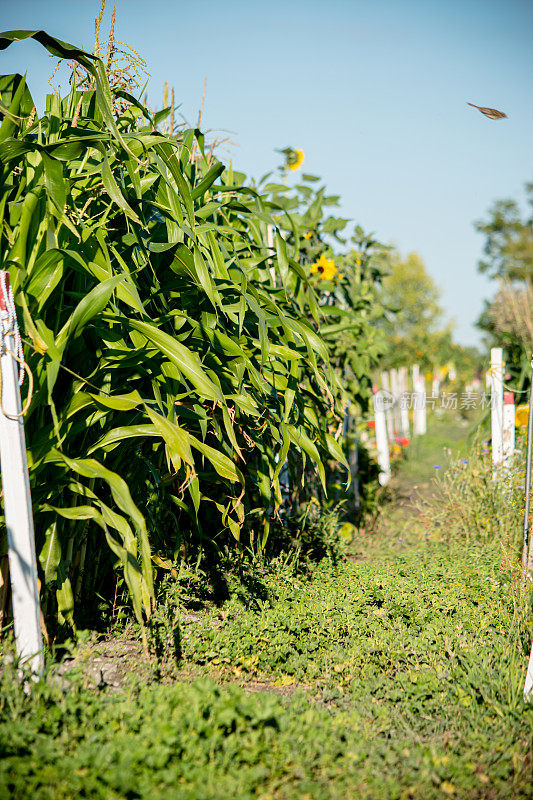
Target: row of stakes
[391, 403]
[390, 415]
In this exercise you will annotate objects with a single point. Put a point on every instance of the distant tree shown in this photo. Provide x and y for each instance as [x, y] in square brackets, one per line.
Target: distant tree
[507, 319]
[508, 248]
[410, 292]
[414, 326]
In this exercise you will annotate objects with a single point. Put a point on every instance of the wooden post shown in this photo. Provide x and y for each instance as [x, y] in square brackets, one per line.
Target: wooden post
[422, 417]
[496, 373]
[382, 442]
[17, 499]
[394, 387]
[508, 438]
[419, 402]
[385, 382]
[404, 411]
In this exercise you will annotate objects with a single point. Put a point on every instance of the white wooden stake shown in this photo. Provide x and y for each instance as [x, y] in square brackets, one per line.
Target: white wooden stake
[422, 416]
[419, 402]
[496, 372]
[508, 429]
[404, 412]
[395, 399]
[387, 402]
[382, 442]
[17, 499]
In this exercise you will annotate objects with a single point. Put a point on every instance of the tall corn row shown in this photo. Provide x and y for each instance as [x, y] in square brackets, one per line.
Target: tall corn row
[173, 375]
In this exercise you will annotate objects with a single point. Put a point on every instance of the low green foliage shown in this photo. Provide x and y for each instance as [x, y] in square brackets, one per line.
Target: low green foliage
[410, 676]
[429, 609]
[475, 507]
[400, 677]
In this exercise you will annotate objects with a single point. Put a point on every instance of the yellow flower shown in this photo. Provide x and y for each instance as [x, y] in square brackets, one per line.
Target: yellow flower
[295, 159]
[448, 788]
[308, 235]
[325, 267]
[521, 416]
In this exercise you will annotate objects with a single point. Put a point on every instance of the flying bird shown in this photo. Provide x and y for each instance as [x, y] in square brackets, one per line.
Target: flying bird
[491, 113]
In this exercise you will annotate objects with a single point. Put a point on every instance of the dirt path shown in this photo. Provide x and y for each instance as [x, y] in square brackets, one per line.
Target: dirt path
[398, 523]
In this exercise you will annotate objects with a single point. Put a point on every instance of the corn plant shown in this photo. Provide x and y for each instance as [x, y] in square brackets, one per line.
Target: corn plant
[177, 356]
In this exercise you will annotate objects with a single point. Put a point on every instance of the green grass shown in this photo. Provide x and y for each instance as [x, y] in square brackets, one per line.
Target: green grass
[394, 678]
[448, 437]
[408, 679]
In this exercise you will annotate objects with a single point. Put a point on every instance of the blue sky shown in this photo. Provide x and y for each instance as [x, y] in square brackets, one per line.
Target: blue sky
[374, 93]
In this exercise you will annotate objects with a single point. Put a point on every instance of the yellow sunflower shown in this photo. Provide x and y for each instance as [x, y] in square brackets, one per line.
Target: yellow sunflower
[325, 267]
[521, 416]
[295, 159]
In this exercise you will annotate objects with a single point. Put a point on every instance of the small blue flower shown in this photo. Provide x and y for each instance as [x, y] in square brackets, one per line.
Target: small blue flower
[437, 466]
[464, 461]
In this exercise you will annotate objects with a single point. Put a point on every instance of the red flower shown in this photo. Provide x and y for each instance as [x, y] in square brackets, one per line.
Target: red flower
[403, 441]
[371, 424]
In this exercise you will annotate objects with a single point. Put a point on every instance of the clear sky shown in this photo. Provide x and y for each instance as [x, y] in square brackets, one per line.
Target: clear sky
[374, 92]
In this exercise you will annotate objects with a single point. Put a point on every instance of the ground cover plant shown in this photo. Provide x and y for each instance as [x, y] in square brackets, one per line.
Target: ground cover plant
[398, 675]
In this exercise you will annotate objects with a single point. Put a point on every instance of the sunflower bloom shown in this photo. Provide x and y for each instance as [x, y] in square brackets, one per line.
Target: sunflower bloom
[521, 416]
[325, 267]
[295, 159]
